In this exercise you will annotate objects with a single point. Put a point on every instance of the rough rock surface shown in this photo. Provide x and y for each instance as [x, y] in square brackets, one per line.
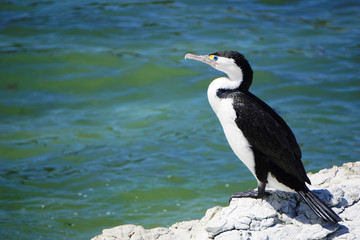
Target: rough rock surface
[281, 215]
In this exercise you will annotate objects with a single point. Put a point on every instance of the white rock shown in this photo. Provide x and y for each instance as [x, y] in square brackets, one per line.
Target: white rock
[282, 215]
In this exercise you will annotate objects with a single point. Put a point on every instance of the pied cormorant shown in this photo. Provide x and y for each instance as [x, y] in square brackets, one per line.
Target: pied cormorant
[259, 137]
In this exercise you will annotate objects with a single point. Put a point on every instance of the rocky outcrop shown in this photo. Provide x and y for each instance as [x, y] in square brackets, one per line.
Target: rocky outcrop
[281, 215]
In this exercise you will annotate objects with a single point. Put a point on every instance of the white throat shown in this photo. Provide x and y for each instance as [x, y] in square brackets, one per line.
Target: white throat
[229, 67]
[219, 83]
[235, 75]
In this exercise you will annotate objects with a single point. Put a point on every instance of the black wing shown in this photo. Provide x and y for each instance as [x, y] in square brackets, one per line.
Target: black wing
[268, 133]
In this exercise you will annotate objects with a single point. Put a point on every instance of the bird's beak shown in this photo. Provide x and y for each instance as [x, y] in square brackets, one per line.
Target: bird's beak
[201, 58]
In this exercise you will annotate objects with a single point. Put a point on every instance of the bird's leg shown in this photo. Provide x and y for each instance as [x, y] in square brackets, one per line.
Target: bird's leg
[261, 190]
[260, 193]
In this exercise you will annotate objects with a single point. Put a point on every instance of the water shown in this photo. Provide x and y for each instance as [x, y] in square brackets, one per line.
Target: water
[103, 123]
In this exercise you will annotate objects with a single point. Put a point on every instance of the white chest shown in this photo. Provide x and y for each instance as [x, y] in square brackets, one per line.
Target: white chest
[227, 115]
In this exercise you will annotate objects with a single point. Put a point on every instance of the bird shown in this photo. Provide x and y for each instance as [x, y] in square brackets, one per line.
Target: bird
[258, 136]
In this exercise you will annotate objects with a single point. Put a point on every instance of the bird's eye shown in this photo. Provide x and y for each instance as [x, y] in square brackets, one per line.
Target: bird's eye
[213, 57]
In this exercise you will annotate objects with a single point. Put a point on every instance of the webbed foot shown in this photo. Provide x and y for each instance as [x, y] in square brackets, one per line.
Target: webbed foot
[251, 193]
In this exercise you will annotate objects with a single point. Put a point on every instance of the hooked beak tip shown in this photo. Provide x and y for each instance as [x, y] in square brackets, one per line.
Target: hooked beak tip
[188, 55]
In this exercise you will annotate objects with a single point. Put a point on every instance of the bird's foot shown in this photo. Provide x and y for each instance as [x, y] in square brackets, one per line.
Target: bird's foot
[251, 193]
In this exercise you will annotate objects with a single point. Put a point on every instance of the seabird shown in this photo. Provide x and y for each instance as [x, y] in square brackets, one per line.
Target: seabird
[259, 137]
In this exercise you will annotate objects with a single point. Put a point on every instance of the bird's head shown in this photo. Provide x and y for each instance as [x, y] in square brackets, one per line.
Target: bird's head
[232, 63]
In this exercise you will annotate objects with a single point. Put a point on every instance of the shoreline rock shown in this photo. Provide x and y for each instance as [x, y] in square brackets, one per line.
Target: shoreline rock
[282, 215]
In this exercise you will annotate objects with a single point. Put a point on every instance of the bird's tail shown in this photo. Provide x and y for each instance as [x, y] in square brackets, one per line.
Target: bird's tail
[319, 207]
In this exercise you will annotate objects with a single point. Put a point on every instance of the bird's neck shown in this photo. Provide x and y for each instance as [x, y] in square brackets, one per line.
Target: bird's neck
[220, 83]
[235, 76]
[223, 83]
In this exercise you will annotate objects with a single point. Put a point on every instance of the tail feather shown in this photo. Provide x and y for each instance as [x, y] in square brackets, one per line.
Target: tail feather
[319, 207]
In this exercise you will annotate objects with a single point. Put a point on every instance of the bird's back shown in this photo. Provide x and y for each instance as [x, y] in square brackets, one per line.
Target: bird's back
[267, 132]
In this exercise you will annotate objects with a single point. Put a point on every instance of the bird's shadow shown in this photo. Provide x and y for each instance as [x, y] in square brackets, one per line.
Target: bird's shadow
[293, 206]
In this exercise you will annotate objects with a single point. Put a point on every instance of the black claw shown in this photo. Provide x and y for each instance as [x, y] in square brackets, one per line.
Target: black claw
[249, 194]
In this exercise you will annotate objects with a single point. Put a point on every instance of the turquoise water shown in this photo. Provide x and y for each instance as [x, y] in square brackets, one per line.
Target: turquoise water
[104, 123]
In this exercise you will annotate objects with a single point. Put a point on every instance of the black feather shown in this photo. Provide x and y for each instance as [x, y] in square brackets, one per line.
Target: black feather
[319, 207]
[270, 136]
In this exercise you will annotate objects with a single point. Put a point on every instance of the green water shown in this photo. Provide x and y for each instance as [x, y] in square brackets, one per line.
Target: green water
[103, 123]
